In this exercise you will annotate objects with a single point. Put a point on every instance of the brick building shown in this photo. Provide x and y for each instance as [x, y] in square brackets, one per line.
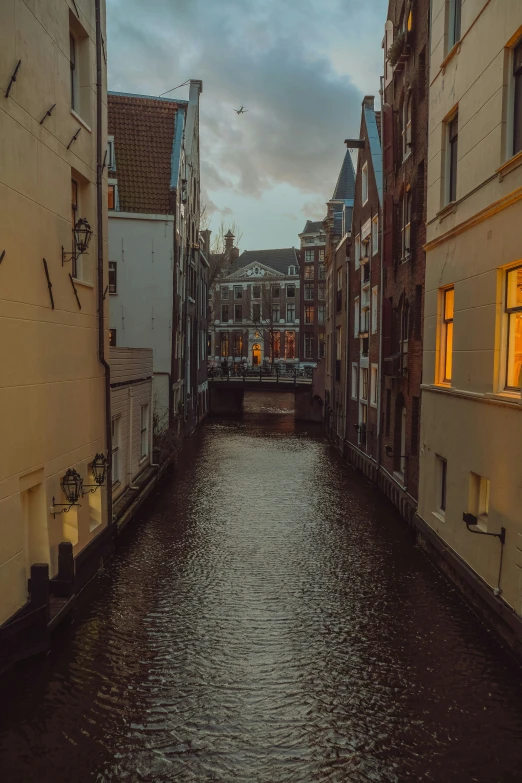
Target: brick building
[363, 327]
[404, 143]
[256, 308]
[313, 292]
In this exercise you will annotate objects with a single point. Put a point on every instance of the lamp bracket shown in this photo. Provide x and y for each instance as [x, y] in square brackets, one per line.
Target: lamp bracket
[471, 519]
[66, 507]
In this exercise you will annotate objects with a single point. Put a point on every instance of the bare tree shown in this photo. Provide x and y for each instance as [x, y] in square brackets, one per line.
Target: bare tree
[266, 314]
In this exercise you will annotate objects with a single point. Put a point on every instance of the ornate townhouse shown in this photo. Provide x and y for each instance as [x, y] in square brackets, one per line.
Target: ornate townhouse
[157, 268]
[337, 224]
[256, 309]
[405, 155]
[364, 285]
[55, 418]
[312, 341]
[470, 444]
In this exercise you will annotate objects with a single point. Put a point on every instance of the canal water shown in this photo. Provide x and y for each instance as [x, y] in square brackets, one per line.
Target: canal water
[270, 620]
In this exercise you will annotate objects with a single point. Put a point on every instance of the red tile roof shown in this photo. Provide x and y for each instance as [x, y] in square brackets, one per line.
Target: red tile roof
[143, 130]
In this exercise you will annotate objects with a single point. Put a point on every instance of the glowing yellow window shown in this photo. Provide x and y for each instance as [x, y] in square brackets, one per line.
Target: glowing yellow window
[514, 314]
[446, 342]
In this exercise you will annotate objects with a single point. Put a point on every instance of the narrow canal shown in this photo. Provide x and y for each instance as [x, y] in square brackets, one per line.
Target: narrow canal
[270, 621]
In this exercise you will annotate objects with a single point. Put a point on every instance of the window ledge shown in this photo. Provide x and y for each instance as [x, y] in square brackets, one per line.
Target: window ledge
[509, 166]
[82, 122]
[143, 459]
[506, 396]
[455, 49]
[449, 209]
[399, 478]
[440, 515]
[83, 283]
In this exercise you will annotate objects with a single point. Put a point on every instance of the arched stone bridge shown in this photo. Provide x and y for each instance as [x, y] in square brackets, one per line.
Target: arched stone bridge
[227, 393]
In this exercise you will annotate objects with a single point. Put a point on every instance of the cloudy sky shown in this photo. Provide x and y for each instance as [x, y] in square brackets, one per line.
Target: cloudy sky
[301, 67]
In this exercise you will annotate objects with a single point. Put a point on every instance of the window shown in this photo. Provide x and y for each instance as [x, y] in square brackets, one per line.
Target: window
[322, 345]
[322, 271]
[224, 313]
[309, 272]
[309, 256]
[478, 499]
[446, 335]
[375, 235]
[514, 318]
[112, 337]
[321, 314]
[357, 251]
[290, 291]
[224, 344]
[321, 256]
[113, 278]
[452, 155]
[74, 220]
[364, 184]
[238, 344]
[374, 390]
[290, 345]
[290, 312]
[256, 292]
[321, 291]
[144, 431]
[73, 47]
[256, 312]
[364, 383]
[111, 194]
[406, 127]
[224, 292]
[276, 312]
[517, 99]
[308, 346]
[355, 381]
[111, 160]
[442, 470]
[309, 314]
[375, 309]
[238, 292]
[454, 16]
[406, 225]
[356, 317]
[291, 270]
[276, 345]
[339, 279]
[309, 291]
[338, 344]
[238, 313]
[116, 434]
[275, 292]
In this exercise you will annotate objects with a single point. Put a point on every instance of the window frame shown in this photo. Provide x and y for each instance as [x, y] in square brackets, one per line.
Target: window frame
[275, 312]
[238, 292]
[308, 346]
[515, 123]
[225, 320]
[374, 384]
[73, 67]
[357, 251]
[290, 291]
[113, 273]
[290, 307]
[442, 485]
[238, 308]
[309, 314]
[454, 25]
[508, 313]
[452, 154]
[375, 235]
[444, 340]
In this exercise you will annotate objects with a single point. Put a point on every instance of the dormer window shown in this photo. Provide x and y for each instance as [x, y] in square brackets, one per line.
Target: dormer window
[291, 270]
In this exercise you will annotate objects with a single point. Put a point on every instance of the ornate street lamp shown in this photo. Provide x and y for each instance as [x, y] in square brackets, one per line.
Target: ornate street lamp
[82, 238]
[71, 485]
[99, 471]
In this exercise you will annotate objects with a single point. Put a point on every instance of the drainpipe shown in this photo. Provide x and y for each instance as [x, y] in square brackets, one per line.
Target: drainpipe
[100, 279]
[381, 292]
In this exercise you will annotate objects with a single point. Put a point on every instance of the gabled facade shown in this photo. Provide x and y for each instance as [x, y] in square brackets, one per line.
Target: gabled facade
[312, 340]
[54, 384]
[256, 309]
[156, 270]
[364, 286]
[338, 240]
[405, 157]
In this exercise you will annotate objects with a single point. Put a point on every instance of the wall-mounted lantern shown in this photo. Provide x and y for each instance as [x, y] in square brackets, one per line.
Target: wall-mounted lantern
[82, 238]
[71, 485]
[99, 471]
[471, 521]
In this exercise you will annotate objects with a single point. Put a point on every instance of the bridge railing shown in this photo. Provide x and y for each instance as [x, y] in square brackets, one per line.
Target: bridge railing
[263, 373]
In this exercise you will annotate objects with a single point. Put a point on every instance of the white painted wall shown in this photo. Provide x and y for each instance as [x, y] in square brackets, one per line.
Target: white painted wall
[141, 310]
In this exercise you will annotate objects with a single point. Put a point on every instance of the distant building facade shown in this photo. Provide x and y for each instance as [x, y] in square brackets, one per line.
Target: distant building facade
[312, 340]
[256, 309]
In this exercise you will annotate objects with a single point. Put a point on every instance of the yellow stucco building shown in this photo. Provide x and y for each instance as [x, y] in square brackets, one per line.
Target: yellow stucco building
[471, 401]
[53, 383]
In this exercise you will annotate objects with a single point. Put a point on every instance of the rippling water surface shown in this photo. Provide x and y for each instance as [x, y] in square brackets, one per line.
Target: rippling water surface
[269, 620]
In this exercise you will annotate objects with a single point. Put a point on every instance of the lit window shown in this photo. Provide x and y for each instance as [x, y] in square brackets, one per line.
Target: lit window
[224, 344]
[514, 316]
[452, 158]
[309, 314]
[112, 337]
[364, 184]
[309, 272]
[111, 193]
[238, 344]
[517, 99]
[113, 279]
[446, 335]
[290, 345]
[442, 470]
[144, 431]
[275, 347]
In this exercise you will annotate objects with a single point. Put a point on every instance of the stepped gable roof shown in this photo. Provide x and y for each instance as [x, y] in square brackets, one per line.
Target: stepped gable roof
[345, 188]
[313, 227]
[279, 260]
[147, 132]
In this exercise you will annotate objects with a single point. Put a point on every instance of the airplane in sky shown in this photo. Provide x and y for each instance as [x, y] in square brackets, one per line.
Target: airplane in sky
[241, 110]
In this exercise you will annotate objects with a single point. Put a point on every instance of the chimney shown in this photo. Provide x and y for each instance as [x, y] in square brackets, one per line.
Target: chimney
[368, 102]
